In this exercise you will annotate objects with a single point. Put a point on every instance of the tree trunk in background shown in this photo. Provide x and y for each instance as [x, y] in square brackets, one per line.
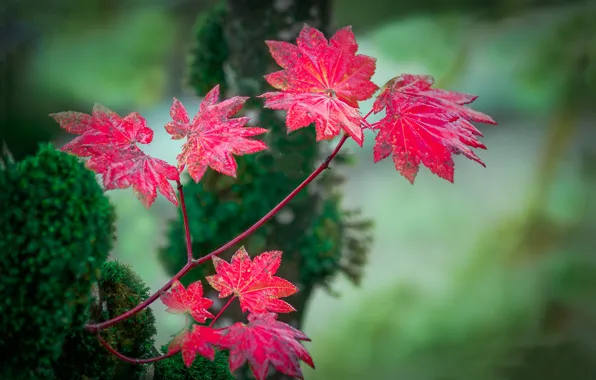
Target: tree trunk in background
[318, 239]
[248, 25]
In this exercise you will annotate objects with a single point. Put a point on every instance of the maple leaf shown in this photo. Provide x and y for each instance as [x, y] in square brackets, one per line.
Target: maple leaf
[265, 341]
[181, 300]
[212, 136]
[201, 340]
[111, 143]
[321, 83]
[425, 125]
[253, 282]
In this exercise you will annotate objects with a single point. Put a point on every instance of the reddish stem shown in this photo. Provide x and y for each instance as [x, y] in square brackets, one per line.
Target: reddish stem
[221, 311]
[276, 209]
[185, 219]
[195, 262]
[134, 360]
[102, 325]
[367, 115]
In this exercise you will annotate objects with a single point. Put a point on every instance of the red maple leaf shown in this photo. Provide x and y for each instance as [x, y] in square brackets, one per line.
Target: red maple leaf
[266, 341]
[253, 282]
[190, 300]
[201, 340]
[212, 137]
[321, 83]
[111, 143]
[425, 125]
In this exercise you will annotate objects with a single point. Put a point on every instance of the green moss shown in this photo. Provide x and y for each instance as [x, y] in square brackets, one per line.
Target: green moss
[120, 289]
[56, 231]
[173, 368]
[334, 234]
[210, 51]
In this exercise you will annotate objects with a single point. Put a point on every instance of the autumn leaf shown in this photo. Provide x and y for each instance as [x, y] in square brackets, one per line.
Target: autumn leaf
[253, 281]
[190, 300]
[111, 143]
[201, 340]
[425, 125]
[321, 83]
[266, 341]
[213, 137]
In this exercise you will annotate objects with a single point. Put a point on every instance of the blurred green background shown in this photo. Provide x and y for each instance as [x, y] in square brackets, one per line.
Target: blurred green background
[493, 277]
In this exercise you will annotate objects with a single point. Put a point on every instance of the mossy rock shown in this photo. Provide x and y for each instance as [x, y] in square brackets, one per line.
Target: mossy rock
[120, 289]
[56, 228]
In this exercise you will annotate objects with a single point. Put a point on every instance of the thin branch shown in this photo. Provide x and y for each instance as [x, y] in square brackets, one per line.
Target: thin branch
[221, 311]
[94, 327]
[195, 262]
[276, 209]
[185, 219]
[367, 115]
[134, 360]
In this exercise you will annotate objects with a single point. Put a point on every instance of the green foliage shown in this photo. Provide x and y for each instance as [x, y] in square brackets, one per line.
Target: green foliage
[210, 51]
[83, 355]
[173, 368]
[57, 229]
[334, 234]
[120, 289]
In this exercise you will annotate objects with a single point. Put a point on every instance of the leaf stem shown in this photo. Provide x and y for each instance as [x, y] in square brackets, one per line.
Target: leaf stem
[185, 219]
[195, 262]
[103, 325]
[127, 359]
[368, 114]
[221, 311]
[275, 210]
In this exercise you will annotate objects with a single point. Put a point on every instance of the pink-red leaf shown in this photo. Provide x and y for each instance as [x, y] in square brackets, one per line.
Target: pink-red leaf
[181, 300]
[201, 340]
[253, 282]
[407, 85]
[213, 137]
[111, 143]
[266, 341]
[321, 83]
[425, 125]
[131, 167]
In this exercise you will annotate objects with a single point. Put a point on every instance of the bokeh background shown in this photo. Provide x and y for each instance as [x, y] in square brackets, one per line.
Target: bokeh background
[492, 277]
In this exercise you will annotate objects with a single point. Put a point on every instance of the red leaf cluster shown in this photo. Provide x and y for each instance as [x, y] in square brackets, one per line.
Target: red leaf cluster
[321, 82]
[261, 342]
[111, 143]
